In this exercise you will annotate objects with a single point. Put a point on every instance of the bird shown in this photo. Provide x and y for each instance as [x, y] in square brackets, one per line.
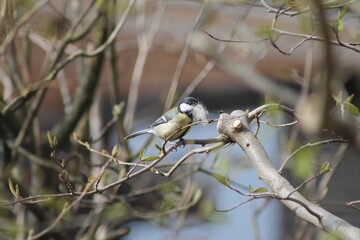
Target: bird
[174, 123]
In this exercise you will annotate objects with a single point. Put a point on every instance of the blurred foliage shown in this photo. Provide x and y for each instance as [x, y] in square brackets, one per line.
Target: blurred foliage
[116, 211]
[302, 165]
[222, 162]
[263, 30]
[326, 236]
[206, 209]
[21, 5]
[305, 24]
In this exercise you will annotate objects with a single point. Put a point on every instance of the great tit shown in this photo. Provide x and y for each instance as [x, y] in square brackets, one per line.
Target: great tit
[188, 111]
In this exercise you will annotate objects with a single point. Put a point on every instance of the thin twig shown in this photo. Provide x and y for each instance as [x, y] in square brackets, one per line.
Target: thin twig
[105, 154]
[352, 204]
[202, 75]
[233, 41]
[144, 169]
[306, 182]
[145, 41]
[23, 20]
[281, 169]
[317, 38]
[102, 172]
[189, 154]
[290, 52]
[322, 186]
[65, 209]
[31, 156]
[277, 10]
[279, 125]
[257, 126]
[271, 9]
[268, 107]
[63, 175]
[99, 49]
[70, 37]
[214, 58]
[274, 196]
[182, 60]
[107, 126]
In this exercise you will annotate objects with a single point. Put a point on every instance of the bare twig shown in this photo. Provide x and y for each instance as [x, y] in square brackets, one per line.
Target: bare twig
[257, 118]
[283, 11]
[322, 186]
[174, 179]
[32, 157]
[107, 126]
[352, 204]
[233, 41]
[282, 168]
[63, 175]
[317, 38]
[92, 53]
[214, 58]
[102, 172]
[4, 9]
[189, 154]
[255, 196]
[269, 107]
[101, 189]
[65, 209]
[279, 125]
[105, 154]
[187, 205]
[202, 75]
[290, 52]
[145, 168]
[182, 60]
[70, 37]
[145, 40]
[306, 182]
[301, 11]
[23, 20]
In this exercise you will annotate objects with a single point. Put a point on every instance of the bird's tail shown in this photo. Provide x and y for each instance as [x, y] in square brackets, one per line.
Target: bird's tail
[135, 134]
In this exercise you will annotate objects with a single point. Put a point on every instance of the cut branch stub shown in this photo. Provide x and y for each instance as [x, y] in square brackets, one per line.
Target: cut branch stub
[232, 123]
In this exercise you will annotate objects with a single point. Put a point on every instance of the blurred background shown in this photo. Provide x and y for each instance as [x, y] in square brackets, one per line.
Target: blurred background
[104, 69]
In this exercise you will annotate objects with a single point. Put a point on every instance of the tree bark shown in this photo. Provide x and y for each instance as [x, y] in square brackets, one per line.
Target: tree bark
[244, 137]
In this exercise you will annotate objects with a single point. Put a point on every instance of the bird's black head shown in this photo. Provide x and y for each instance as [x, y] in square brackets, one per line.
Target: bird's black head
[190, 101]
[193, 108]
[187, 104]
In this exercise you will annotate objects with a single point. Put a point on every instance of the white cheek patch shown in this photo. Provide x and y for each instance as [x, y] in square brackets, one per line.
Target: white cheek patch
[199, 113]
[184, 107]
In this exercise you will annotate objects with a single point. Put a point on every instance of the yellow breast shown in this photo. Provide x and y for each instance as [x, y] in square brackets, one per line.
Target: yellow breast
[172, 128]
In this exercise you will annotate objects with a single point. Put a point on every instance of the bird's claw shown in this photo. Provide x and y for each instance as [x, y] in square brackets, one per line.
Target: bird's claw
[175, 145]
[181, 143]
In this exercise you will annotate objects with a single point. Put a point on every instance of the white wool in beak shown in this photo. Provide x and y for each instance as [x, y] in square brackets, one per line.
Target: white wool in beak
[199, 112]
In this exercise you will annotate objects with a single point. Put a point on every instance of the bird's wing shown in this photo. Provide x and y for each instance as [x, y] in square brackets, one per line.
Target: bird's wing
[165, 118]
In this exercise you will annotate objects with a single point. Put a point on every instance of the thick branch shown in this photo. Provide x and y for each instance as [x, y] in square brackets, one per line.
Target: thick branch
[278, 184]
